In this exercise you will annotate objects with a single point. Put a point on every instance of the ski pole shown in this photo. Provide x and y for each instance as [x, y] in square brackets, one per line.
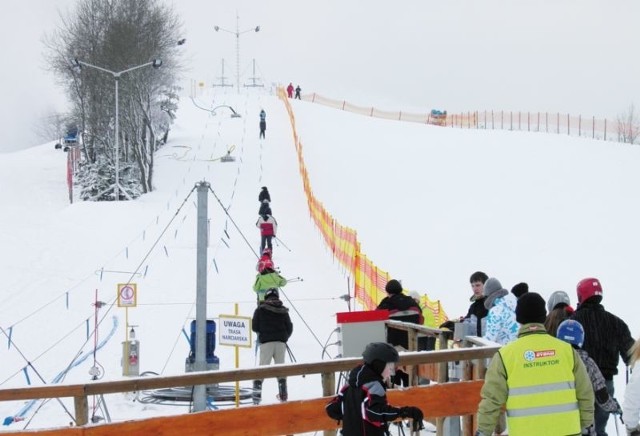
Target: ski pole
[283, 244]
[291, 356]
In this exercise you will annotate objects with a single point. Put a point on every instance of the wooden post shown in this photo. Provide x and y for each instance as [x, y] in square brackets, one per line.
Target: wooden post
[568, 125]
[605, 129]
[593, 127]
[328, 389]
[528, 121]
[558, 124]
[443, 376]
[493, 126]
[82, 410]
[580, 125]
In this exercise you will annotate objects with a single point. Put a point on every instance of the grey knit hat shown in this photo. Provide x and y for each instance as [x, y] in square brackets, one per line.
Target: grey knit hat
[558, 297]
[491, 285]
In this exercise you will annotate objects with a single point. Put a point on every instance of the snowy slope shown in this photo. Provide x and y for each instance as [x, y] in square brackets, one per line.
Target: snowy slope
[430, 205]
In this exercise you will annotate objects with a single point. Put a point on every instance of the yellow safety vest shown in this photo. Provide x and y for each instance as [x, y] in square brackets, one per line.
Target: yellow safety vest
[542, 397]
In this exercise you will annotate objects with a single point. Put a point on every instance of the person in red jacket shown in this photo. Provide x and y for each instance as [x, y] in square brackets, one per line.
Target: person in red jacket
[265, 261]
[268, 227]
[290, 90]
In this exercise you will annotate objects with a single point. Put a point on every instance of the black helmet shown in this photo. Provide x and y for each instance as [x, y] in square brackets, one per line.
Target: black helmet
[271, 293]
[380, 351]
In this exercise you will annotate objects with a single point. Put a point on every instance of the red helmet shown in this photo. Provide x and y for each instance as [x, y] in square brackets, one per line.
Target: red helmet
[588, 288]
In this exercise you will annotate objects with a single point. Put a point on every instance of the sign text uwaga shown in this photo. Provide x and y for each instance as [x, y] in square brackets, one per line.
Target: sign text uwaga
[235, 330]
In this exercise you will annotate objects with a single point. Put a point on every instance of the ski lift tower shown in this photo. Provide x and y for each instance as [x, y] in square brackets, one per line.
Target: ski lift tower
[237, 33]
[254, 79]
[222, 78]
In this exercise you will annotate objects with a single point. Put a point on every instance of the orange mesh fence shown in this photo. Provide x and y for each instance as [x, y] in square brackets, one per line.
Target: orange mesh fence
[369, 280]
[546, 122]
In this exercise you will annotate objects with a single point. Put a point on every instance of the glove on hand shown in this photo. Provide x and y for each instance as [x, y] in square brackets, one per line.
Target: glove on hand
[415, 414]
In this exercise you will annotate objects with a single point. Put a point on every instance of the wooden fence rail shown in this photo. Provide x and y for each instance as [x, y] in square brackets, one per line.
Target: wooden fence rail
[286, 418]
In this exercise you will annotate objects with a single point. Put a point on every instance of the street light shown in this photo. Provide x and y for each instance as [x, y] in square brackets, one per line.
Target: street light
[237, 33]
[77, 65]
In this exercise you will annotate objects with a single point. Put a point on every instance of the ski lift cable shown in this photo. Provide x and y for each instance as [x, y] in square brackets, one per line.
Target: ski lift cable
[112, 303]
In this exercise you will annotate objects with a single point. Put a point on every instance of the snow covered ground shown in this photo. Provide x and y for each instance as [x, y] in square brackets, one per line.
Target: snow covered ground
[431, 205]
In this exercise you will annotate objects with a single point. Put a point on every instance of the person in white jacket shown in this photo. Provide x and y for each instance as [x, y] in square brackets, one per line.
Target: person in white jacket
[631, 406]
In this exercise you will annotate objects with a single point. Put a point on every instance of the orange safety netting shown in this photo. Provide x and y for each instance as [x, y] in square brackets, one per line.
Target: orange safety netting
[343, 242]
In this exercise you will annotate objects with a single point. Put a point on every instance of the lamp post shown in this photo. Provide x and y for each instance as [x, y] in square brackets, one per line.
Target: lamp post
[237, 33]
[78, 64]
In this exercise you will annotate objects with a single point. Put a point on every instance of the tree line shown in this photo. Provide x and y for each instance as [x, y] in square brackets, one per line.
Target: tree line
[117, 35]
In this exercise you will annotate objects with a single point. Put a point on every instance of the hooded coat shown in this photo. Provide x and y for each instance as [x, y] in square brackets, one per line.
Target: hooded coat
[271, 321]
[401, 308]
[362, 404]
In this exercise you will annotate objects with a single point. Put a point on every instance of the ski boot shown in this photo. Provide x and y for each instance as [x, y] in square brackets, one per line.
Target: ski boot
[282, 389]
[256, 396]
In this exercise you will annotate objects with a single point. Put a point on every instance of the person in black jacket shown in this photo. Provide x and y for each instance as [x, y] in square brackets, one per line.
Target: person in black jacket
[606, 338]
[273, 325]
[404, 308]
[362, 405]
[401, 307]
[476, 311]
[264, 195]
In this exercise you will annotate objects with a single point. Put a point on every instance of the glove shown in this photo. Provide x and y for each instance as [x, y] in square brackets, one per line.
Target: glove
[415, 414]
[448, 325]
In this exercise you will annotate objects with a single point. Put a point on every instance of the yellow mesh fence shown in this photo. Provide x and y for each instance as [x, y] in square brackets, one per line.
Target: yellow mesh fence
[369, 280]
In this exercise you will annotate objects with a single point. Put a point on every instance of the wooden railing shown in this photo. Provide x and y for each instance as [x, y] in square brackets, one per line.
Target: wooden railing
[292, 417]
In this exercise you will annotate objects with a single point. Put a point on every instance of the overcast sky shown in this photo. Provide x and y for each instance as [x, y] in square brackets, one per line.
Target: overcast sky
[576, 56]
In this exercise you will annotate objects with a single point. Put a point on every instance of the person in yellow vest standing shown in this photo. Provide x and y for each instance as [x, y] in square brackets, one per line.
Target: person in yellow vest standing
[541, 380]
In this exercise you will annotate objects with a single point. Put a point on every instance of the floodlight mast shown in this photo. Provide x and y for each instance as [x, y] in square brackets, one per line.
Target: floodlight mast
[237, 33]
[77, 65]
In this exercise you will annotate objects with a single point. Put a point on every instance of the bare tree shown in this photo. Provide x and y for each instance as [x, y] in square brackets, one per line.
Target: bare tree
[117, 35]
[629, 126]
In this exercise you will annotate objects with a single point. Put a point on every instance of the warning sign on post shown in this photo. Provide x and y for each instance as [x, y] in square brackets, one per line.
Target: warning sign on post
[127, 294]
[234, 330]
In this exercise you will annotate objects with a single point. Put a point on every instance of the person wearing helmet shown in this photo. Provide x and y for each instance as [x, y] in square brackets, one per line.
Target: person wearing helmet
[272, 323]
[265, 261]
[559, 308]
[571, 331]
[266, 279]
[607, 338]
[362, 405]
[540, 380]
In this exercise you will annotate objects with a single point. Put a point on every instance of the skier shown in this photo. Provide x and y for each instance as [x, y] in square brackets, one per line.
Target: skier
[264, 195]
[401, 307]
[265, 261]
[606, 338]
[571, 331]
[362, 403]
[298, 89]
[268, 227]
[540, 379]
[272, 323]
[559, 307]
[501, 326]
[631, 406]
[266, 279]
[290, 90]
[263, 123]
